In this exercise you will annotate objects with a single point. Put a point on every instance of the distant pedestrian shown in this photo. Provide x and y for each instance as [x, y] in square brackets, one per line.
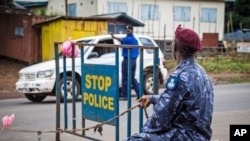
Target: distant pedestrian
[128, 40]
[183, 112]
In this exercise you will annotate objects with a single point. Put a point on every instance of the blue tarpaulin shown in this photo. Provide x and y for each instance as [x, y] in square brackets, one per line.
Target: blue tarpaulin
[238, 35]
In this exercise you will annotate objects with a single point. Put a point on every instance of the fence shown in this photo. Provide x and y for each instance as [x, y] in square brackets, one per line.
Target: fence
[91, 110]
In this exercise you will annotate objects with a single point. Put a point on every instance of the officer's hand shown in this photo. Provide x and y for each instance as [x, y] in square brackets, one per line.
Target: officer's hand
[112, 34]
[144, 101]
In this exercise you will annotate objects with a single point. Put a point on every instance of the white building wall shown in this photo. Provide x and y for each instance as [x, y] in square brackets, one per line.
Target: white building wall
[213, 27]
[56, 8]
[165, 26]
[84, 8]
[160, 29]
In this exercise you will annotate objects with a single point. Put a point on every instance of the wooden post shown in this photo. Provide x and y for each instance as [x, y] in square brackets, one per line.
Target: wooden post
[66, 7]
[231, 21]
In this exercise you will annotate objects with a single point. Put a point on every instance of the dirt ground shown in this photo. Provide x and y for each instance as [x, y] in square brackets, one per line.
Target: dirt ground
[9, 75]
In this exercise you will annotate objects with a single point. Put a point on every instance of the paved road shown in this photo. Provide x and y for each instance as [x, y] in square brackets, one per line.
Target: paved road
[231, 107]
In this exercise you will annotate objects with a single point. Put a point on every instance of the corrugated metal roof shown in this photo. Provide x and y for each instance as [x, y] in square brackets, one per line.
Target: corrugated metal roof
[18, 6]
[120, 16]
[32, 0]
[32, 3]
[57, 18]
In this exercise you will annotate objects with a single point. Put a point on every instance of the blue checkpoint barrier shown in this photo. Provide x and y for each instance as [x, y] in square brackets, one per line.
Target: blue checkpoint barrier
[99, 90]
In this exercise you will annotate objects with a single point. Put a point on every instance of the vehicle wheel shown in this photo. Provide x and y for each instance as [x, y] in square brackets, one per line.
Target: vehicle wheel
[35, 97]
[69, 88]
[148, 83]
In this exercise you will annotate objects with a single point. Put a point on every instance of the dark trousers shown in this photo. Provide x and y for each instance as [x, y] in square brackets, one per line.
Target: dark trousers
[135, 84]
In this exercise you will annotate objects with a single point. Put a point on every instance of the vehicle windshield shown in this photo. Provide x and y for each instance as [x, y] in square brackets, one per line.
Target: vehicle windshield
[147, 42]
[86, 41]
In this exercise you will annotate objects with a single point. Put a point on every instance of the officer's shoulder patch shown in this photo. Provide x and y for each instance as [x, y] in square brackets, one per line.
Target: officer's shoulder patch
[172, 82]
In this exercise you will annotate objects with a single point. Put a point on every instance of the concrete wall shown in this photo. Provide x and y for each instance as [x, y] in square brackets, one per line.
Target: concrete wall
[84, 7]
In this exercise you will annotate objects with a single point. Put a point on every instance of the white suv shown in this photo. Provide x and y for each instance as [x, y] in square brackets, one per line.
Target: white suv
[38, 81]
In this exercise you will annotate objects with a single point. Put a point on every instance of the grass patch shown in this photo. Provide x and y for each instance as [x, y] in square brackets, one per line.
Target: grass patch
[226, 64]
[222, 64]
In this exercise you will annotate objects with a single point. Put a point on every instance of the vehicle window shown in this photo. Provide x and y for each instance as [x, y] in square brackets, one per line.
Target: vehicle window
[104, 50]
[147, 42]
[85, 48]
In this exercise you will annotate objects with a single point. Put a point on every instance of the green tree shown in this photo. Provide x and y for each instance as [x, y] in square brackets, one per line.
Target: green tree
[6, 3]
[237, 15]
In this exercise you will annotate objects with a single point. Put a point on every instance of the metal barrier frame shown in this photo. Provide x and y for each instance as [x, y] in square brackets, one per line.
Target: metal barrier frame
[58, 91]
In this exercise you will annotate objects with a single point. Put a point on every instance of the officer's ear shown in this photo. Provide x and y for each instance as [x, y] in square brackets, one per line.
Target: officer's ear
[172, 45]
[173, 49]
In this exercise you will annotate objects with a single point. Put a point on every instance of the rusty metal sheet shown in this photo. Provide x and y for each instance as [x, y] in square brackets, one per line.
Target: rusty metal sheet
[210, 40]
[20, 41]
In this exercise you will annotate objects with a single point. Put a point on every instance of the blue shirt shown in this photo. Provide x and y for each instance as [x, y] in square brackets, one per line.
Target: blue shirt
[130, 40]
[183, 112]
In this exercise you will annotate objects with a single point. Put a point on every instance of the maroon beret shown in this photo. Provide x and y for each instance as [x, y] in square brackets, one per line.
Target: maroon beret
[188, 37]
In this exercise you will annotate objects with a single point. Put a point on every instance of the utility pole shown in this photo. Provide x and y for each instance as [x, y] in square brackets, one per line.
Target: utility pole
[66, 7]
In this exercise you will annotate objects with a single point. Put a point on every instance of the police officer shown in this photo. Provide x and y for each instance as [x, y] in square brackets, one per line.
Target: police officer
[183, 112]
[128, 40]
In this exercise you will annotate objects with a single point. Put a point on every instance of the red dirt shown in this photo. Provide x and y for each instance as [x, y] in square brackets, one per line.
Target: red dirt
[8, 76]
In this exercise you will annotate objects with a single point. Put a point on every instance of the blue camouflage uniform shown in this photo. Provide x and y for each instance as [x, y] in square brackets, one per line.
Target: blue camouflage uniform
[183, 112]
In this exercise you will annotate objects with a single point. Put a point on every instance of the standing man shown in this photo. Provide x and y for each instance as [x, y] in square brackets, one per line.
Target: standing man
[128, 40]
[183, 112]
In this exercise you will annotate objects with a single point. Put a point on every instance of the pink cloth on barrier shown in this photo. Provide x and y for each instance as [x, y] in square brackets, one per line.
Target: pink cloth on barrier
[67, 47]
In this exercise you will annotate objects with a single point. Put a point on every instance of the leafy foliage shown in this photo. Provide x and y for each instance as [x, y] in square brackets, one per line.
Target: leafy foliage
[6, 3]
[237, 14]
